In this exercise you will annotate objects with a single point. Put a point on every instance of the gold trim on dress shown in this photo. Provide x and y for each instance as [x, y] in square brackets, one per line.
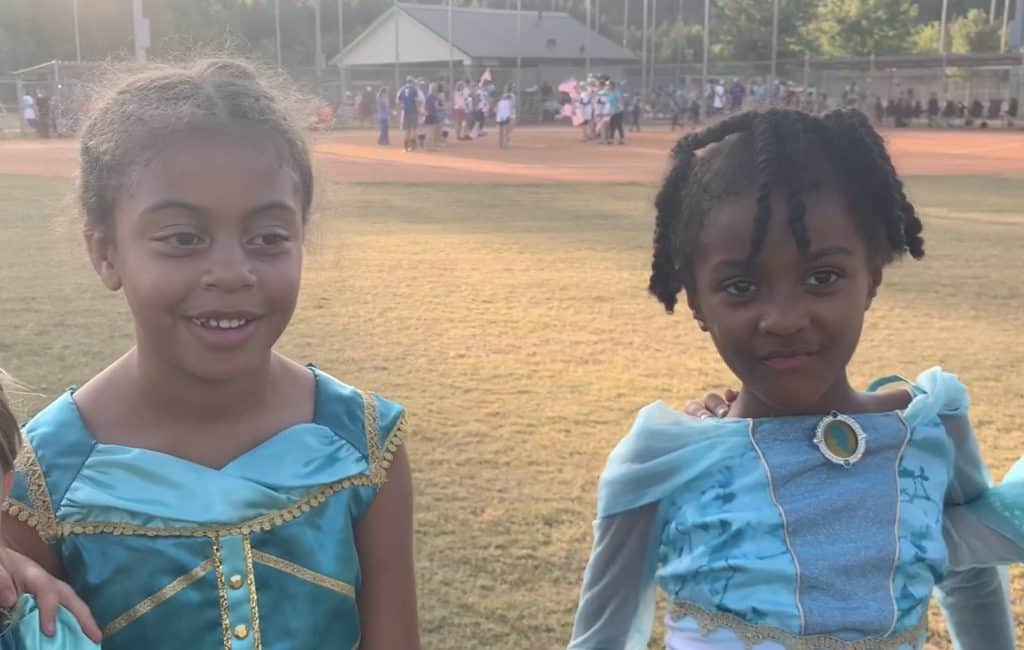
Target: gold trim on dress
[41, 510]
[371, 430]
[33, 517]
[751, 635]
[261, 523]
[305, 574]
[222, 593]
[50, 529]
[254, 609]
[162, 596]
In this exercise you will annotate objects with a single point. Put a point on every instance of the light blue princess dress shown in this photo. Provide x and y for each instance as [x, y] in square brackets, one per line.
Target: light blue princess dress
[803, 533]
[173, 555]
[19, 629]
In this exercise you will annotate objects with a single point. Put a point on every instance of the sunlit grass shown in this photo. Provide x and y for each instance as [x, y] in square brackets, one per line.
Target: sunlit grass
[513, 322]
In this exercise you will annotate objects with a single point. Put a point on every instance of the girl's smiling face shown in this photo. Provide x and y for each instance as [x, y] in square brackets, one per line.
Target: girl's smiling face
[788, 328]
[206, 242]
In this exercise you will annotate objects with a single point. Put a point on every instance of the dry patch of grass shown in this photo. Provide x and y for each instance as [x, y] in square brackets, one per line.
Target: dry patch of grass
[513, 323]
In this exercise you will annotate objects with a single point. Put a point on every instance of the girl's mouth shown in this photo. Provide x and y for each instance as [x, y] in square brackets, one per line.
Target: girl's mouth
[788, 361]
[221, 323]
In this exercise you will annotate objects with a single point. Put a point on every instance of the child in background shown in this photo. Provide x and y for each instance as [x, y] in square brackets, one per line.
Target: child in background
[504, 119]
[204, 490]
[20, 622]
[813, 515]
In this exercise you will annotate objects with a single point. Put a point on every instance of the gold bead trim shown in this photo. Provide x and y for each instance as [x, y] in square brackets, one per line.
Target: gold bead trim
[751, 635]
[254, 608]
[162, 596]
[371, 429]
[49, 529]
[222, 593]
[44, 525]
[39, 515]
[305, 574]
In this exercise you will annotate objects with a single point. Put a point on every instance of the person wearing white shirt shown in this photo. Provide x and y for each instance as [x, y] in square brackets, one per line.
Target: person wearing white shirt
[28, 110]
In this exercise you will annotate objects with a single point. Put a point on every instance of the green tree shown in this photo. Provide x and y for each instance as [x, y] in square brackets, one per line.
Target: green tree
[926, 39]
[968, 34]
[742, 29]
[865, 27]
[972, 33]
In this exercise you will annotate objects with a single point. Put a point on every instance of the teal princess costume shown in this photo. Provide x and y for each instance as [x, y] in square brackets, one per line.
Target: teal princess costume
[809, 533]
[171, 554]
[20, 630]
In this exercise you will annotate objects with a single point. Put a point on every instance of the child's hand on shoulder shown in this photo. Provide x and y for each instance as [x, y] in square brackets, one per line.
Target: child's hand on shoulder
[17, 570]
[713, 405]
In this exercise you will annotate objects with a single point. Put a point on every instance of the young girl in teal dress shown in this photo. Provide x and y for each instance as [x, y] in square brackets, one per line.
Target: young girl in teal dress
[813, 516]
[203, 490]
[20, 627]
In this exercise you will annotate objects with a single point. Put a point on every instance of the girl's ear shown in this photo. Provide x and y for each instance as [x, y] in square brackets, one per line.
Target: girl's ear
[691, 302]
[100, 244]
[8, 483]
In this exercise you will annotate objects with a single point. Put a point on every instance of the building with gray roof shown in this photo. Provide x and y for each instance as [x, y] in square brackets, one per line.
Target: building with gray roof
[549, 46]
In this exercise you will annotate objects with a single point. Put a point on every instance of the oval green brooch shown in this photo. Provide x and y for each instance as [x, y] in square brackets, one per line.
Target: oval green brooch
[840, 439]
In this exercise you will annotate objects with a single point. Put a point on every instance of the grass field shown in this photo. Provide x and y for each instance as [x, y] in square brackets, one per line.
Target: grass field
[513, 323]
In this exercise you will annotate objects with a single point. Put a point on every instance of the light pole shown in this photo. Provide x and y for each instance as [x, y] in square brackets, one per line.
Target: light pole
[277, 29]
[775, 35]
[317, 45]
[707, 25]
[451, 49]
[341, 46]
[397, 53]
[587, 45]
[643, 55]
[625, 23]
[78, 40]
[654, 41]
[141, 30]
[1006, 24]
[519, 48]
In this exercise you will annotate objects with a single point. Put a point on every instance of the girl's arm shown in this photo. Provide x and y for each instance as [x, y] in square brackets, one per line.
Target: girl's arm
[975, 595]
[387, 599]
[617, 601]
[28, 563]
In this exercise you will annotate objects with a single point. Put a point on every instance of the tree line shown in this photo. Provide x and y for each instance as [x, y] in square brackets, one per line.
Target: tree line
[34, 31]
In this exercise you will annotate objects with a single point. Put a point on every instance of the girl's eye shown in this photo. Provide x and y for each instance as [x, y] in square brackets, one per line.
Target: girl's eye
[269, 239]
[182, 239]
[740, 288]
[823, 278]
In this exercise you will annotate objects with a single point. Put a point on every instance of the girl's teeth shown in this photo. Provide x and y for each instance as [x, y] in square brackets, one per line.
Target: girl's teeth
[224, 324]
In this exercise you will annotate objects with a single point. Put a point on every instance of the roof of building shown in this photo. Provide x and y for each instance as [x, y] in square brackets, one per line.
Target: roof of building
[492, 33]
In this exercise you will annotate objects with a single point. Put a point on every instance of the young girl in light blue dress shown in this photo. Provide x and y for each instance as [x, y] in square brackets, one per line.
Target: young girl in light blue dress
[20, 625]
[204, 491]
[814, 516]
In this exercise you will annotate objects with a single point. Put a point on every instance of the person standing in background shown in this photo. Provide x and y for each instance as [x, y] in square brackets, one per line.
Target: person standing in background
[383, 115]
[28, 110]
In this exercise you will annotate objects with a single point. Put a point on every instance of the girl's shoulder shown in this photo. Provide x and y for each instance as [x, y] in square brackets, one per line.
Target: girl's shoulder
[934, 393]
[644, 466]
[374, 425]
[55, 446]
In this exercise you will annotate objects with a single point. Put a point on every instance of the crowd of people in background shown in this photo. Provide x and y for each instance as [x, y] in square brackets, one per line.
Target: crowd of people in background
[906, 109]
[597, 107]
[430, 116]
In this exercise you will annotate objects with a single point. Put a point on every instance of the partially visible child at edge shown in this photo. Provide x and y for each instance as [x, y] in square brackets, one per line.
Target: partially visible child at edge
[813, 515]
[20, 627]
[504, 118]
[203, 477]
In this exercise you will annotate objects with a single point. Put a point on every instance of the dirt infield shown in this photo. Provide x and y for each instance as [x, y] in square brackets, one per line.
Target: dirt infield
[556, 155]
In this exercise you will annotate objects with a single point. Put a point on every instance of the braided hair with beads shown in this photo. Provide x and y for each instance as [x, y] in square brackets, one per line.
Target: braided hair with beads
[778, 150]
